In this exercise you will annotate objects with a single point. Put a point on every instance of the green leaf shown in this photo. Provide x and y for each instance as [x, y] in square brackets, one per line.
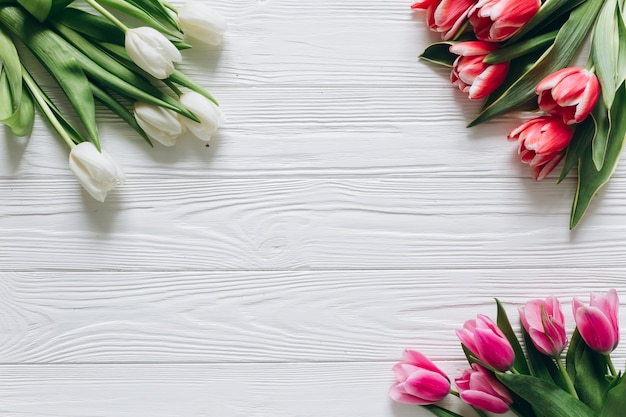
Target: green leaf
[583, 137]
[13, 68]
[545, 396]
[567, 42]
[21, 120]
[590, 180]
[587, 369]
[615, 402]
[605, 49]
[91, 25]
[158, 9]
[182, 79]
[116, 107]
[41, 9]
[56, 56]
[439, 53]
[522, 48]
[504, 324]
[541, 366]
[600, 141]
[140, 14]
[440, 412]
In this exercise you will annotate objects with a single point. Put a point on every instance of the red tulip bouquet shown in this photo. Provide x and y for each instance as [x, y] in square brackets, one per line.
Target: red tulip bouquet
[516, 54]
[95, 57]
[532, 382]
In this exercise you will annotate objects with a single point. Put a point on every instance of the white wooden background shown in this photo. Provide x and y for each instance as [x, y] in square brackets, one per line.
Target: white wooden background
[344, 214]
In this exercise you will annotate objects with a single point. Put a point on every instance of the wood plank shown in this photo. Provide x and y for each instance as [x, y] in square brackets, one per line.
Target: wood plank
[226, 390]
[267, 316]
[251, 224]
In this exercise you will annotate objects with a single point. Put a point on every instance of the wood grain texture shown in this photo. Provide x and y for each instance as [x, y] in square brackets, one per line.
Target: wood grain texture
[344, 214]
[266, 316]
[244, 390]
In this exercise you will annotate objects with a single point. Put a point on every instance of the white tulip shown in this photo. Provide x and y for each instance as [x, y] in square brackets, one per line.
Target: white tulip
[160, 124]
[152, 51]
[210, 116]
[201, 22]
[97, 172]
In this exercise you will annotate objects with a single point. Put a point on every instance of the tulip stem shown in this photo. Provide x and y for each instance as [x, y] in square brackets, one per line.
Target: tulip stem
[34, 89]
[566, 378]
[104, 12]
[609, 362]
[455, 393]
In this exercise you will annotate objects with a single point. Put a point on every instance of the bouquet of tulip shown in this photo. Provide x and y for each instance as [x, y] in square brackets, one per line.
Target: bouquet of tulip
[533, 382]
[515, 54]
[95, 57]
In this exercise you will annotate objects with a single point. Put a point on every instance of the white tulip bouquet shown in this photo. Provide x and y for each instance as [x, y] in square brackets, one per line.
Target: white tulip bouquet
[95, 57]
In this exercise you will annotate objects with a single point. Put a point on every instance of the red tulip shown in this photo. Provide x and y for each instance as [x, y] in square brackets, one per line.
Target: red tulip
[498, 20]
[471, 74]
[541, 142]
[479, 388]
[487, 342]
[570, 93]
[445, 16]
[598, 323]
[420, 382]
[544, 323]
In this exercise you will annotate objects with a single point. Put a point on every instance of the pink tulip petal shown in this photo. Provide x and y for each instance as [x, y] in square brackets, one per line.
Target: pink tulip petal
[418, 360]
[595, 329]
[485, 401]
[398, 394]
[427, 385]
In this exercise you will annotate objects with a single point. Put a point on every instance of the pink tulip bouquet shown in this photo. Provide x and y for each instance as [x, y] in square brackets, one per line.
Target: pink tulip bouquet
[530, 381]
[517, 54]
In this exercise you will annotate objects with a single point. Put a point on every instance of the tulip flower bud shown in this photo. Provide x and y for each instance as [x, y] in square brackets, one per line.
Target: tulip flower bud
[160, 124]
[479, 388]
[570, 93]
[97, 172]
[544, 323]
[471, 74]
[420, 382]
[210, 116]
[598, 322]
[541, 142]
[498, 20]
[487, 342]
[201, 22]
[445, 16]
[152, 51]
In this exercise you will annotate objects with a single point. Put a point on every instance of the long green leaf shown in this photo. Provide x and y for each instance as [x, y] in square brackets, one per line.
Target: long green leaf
[559, 55]
[615, 402]
[116, 107]
[441, 412]
[545, 396]
[583, 137]
[504, 324]
[590, 180]
[12, 66]
[91, 25]
[587, 369]
[41, 9]
[600, 141]
[56, 56]
[605, 49]
[158, 9]
[21, 120]
[131, 10]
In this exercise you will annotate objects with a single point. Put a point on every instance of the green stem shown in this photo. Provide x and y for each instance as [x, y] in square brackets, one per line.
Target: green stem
[566, 378]
[515, 371]
[455, 393]
[609, 362]
[43, 105]
[480, 412]
[104, 12]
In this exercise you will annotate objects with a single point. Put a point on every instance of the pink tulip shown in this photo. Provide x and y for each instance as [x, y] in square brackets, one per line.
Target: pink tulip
[541, 142]
[479, 388]
[498, 20]
[445, 16]
[570, 93]
[487, 342]
[597, 323]
[420, 382]
[471, 74]
[544, 323]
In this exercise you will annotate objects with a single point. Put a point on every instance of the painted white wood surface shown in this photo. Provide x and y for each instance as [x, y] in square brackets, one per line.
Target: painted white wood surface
[344, 214]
